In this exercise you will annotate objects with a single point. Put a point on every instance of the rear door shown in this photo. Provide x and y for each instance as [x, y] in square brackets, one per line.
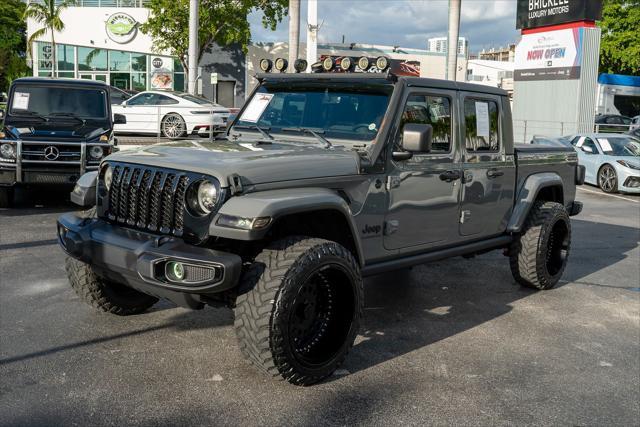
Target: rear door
[488, 170]
[423, 191]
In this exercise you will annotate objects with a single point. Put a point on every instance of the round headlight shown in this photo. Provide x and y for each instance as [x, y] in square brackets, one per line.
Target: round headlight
[202, 197]
[8, 151]
[363, 63]
[96, 152]
[281, 64]
[327, 63]
[265, 65]
[346, 63]
[108, 176]
[382, 63]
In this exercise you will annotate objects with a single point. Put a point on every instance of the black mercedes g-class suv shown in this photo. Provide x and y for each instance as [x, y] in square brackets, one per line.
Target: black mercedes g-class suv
[54, 131]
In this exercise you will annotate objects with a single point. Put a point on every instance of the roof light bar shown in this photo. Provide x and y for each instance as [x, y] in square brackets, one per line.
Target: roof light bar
[346, 63]
[300, 65]
[364, 63]
[266, 65]
[281, 64]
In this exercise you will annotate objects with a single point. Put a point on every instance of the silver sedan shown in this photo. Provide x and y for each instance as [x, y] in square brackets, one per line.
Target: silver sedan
[611, 161]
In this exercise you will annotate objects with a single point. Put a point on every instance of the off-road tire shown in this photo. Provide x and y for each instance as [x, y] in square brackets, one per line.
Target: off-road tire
[167, 126]
[539, 255]
[6, 197]
[104, 295]
[267, 310]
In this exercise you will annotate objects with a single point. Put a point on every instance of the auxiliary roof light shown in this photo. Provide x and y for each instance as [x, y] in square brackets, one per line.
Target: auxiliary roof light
[382, 63]
[281, 64]
[327, 63]
[300, 65]
[346, 63]
[266, 65]
[363, 63]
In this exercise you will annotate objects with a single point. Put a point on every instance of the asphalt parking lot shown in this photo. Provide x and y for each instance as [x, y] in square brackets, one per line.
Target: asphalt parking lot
[451, 343]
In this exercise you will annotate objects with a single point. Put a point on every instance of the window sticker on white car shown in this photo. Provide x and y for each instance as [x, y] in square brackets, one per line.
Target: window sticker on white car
[604, 143]
[482, 119]
[20, 101]
[256, 107]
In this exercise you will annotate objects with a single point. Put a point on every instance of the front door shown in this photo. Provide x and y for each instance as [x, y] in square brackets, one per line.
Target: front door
[489, 171]
[424, 190]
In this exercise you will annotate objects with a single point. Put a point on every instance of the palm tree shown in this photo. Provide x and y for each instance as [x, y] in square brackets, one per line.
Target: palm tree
[47, 14]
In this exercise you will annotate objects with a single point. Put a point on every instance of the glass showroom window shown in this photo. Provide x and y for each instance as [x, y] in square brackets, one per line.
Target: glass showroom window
[90, 59]
[119, 61]
[178, 75]
[65, 58]
[139, 81]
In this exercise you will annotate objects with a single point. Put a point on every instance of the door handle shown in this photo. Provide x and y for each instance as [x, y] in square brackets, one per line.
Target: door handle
[449, 176]
[493, 173]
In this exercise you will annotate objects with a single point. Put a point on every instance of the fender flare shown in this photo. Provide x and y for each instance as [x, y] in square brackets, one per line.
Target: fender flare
[278, 203]
[527, 196]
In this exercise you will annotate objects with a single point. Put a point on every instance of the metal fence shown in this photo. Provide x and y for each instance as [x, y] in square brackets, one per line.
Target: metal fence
[525, 130]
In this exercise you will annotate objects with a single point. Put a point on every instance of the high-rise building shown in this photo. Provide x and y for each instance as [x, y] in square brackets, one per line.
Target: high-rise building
[439, 44]
[506, 54]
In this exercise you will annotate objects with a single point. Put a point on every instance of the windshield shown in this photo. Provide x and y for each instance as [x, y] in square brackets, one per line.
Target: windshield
[620, 146]
[44, 101]
[336, 112]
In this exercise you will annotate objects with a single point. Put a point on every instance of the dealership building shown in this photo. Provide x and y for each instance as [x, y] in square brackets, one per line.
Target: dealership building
[102, 41]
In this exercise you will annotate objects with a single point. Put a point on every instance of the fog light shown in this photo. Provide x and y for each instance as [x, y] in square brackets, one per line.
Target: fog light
[382, 63]
[281, 64]
[363, 63]
[174, 271]
[327, 63]
[265, 65]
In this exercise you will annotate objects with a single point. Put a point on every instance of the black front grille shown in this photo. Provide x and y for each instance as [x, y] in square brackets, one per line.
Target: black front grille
[65, 153]
[149, 199]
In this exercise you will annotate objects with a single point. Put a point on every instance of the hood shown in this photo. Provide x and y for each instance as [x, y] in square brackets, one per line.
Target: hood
[57, 131]
[255, 164]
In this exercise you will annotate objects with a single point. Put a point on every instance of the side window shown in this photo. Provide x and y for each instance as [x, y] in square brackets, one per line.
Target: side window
[481, 125]
[613, 120]
[588, 142]
[142, 99]
[575, 140]
[431, 110]
[164, 100]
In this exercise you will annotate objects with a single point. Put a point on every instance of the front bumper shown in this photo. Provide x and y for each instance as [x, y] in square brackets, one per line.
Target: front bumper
[135, 259]
[628, 180]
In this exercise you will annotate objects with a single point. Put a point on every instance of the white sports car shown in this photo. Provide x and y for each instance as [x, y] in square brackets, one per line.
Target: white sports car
[611, 161]
[175, 114]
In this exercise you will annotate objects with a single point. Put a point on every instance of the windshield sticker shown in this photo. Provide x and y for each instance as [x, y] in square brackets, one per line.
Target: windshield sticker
[372, 127]
[256, 107]
[604, 143]
[20, 101]
[482, 119]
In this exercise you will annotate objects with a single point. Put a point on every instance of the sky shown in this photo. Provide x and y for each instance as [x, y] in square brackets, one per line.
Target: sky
[405, 23]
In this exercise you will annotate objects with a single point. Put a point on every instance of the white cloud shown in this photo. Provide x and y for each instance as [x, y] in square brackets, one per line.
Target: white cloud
[407, 23]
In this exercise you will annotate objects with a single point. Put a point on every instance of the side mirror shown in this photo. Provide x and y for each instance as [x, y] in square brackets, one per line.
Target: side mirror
[586, 149]
[1, 114]
[416, 137]
[119, 119]
[123, 103]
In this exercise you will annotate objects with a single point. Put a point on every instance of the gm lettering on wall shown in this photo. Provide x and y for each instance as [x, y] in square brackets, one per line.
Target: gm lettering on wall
[551, 55]
[121, 28]
[540, 13]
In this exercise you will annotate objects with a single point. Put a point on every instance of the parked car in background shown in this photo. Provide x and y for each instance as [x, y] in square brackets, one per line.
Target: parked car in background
[612, 123]
[635, 132]
[611, 161]
[117, 96]
[54, 131]
[635, 123]
[174, 114]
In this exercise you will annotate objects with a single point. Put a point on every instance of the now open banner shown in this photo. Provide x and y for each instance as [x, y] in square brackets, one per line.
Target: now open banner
[551, 55]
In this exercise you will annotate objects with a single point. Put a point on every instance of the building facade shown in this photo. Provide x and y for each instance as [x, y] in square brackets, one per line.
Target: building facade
[102, 41]
[439, 45]
[503, 54]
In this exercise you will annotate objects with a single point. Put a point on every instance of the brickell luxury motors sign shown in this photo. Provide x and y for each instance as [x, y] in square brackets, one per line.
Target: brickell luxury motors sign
[540, 13]
[552, 55]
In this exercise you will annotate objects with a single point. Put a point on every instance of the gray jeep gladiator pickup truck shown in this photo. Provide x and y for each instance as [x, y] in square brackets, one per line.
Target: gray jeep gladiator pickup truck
[324, 179]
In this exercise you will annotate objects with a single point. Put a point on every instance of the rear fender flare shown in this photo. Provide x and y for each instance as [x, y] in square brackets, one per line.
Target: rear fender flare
[527, 196]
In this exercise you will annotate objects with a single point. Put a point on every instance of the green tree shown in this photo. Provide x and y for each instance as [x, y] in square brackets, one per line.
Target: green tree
[47, 14]
[13, 31]
[620, 43]
[223, 22]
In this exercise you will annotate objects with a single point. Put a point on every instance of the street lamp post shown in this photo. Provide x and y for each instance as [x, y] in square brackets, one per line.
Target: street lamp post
[452, 42]
[193, 45]
[294, 30]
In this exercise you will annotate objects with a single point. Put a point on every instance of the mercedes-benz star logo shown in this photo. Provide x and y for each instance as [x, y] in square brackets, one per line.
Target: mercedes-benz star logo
[51, 153]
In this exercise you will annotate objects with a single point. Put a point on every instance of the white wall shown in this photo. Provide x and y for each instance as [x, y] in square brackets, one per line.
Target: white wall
[85, 26]
[488, 71]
